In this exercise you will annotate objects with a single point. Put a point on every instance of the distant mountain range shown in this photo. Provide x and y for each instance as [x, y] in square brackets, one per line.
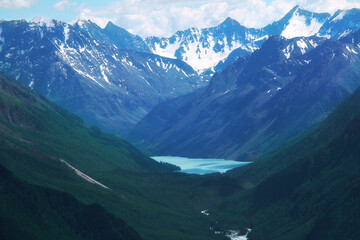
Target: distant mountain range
[206, 49]
[256, 103]
[112, 78]
[106, 76]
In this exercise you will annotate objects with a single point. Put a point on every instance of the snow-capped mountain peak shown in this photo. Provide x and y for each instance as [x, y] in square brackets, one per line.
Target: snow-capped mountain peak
[203, 49]
[229, 21]
[107, 76]
[67, 62]
[341, 23]
[338, 15]
[299, 27]
[83, 23]
[43, 22]
[302, 23]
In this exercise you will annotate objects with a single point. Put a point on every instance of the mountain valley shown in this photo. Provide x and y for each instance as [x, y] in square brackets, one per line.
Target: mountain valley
[85, 110]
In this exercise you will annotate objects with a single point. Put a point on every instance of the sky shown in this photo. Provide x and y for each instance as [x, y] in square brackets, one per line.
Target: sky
[165, 17]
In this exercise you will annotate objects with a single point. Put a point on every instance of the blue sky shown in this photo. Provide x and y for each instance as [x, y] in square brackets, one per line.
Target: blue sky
[46, 8]
[164, 17]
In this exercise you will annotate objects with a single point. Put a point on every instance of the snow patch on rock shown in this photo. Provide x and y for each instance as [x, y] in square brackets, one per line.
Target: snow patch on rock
[199, 49]
[339, 16]
[43, 22]
[297, 27]
[66, 32]
[288, 50]
[302, 45]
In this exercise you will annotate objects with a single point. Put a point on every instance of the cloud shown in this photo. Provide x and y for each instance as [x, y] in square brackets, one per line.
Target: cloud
[329, 5]
[163, 18]
[96, 17]
[62, 5]
[16, 4]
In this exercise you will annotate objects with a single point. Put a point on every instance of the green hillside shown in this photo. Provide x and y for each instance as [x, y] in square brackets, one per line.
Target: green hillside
[44, 144]
[314, 192]
[30, 212]
[32, 124]
[291, 151]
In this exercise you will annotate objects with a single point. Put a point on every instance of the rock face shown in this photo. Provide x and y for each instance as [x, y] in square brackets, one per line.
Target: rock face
[257, 102]
[106, 76]
[210, 50]
[341, 23]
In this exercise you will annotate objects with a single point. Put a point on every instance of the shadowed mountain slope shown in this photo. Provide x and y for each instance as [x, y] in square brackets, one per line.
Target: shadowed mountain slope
[310, 186]
[258, 102]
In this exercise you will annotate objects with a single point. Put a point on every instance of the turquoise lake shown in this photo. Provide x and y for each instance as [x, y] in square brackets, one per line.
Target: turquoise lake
[200, 165]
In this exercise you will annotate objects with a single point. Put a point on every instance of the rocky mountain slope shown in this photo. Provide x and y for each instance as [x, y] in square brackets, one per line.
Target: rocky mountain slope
[204, 48]
[257, 102]
[341, 23]
[112, 79]
[96, 73]
[207, 50]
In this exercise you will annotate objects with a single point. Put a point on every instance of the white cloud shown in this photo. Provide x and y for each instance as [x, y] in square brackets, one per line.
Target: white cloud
[62, 5]
[16, 4]
[99, 19]
[329, 5]
[163, 18]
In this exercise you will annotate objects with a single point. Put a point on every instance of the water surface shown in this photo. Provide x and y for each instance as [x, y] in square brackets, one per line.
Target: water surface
[200, 165]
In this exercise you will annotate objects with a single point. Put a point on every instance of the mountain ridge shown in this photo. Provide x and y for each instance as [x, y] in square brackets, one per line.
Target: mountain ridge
[111, 78]
[298, 22]
[85, 69]
[247, 39]
[253, 105]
